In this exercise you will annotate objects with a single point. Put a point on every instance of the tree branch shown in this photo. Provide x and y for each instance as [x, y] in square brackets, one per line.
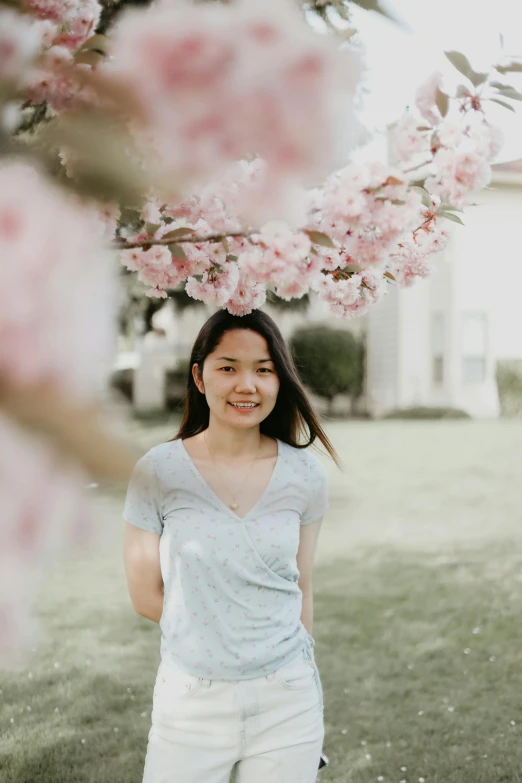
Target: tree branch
[122, 244]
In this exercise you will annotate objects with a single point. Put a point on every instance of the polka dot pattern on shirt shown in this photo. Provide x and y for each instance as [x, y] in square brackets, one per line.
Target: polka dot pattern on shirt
[232, 601]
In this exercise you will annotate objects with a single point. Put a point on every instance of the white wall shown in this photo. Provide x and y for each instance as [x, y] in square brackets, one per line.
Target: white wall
[490, 268]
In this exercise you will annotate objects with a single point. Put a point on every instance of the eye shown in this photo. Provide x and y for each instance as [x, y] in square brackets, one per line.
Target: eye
[265, 369]
[226, 368]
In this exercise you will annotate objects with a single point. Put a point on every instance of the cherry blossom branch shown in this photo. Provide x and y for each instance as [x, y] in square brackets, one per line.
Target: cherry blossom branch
[192, 239]
[418, 166]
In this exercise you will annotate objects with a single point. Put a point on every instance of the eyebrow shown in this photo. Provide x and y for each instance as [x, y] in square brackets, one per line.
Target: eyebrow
[229, 359]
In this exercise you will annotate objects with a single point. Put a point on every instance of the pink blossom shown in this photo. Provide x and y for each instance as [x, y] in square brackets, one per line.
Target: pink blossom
[450, 134]
[80, 24]
[157, 267]
[215, 287]
[58, 298]
[157, 293]
[52, 246]
[151, 213]
[246, 297]
[458, 173]
[488, 140]
[55, 10]
[408, 141]
[44, 512]
[347, 298]
[425, 98]
[53, 79]
[76, 19]
[219, 82]
[20, 41]
[409, 269]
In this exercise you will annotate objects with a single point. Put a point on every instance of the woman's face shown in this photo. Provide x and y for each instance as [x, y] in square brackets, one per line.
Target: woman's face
[239, 370]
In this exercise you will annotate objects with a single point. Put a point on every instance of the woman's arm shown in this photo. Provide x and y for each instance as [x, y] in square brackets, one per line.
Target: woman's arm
[142, 567]
[308, 535]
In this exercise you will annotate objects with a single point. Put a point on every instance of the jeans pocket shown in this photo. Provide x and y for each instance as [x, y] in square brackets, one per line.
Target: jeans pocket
[298, 675]
[173, 685]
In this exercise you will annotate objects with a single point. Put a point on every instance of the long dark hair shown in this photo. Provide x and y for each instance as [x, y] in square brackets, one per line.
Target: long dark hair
[293, 414]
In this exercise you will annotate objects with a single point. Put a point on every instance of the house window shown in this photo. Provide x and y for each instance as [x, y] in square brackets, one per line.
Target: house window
[437, 347]
[474, 340]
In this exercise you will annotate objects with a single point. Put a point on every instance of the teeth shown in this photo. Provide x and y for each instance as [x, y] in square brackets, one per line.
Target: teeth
[243, 405]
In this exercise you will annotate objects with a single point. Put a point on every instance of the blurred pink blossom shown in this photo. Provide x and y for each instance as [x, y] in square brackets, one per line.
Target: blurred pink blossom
[407, 140]
[21, 39]
[58, 301]
[425, 98]
[76, 20]
[221, 82]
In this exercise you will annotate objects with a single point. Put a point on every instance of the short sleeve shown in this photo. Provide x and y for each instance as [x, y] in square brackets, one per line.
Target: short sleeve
[317, 488]
[143, 502]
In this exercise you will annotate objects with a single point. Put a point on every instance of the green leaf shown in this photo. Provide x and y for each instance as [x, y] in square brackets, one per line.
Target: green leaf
[151, 228]
[450, 216]
[177, 251]
[449, 208]
[461, 63]
[510, 68]
[507, 91]
[318, 238]
[90, 57]
[503, 103]
[462, 91]
[478, 78]
[231, 257]
[177, 233]
[98, 43]
[129, 214]
[352, 269]
[442, 101]
[424, 128]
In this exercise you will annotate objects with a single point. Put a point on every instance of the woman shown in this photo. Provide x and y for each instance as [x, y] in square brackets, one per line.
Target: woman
[223, 522]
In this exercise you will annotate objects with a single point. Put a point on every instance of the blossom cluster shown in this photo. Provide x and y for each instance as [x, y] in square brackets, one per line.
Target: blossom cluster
[365, 227]
[57, 302]
[221, 82]
[71, 21]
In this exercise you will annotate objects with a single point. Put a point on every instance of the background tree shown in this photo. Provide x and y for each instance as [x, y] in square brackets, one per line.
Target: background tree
[330, 361]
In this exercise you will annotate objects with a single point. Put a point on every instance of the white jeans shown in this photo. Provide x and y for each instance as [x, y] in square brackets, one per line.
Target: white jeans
[271, 726]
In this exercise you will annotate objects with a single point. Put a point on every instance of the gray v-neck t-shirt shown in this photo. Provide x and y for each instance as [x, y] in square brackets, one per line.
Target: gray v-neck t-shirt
[232, 603]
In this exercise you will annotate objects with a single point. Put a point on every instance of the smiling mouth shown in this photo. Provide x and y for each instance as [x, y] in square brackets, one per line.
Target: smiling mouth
[244, 406]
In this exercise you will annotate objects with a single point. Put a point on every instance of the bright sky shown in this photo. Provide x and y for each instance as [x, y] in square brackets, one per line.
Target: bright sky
[398, 60]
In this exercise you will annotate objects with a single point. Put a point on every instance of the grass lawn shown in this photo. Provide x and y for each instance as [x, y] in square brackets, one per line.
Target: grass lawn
[418, 598]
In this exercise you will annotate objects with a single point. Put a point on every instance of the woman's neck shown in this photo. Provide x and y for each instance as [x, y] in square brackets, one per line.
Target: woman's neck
[228, 441]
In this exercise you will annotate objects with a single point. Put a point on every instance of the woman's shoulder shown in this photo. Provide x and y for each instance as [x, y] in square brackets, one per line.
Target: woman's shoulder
[160, 455]
[304, 459]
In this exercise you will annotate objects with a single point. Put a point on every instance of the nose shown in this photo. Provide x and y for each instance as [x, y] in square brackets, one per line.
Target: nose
[245, 383]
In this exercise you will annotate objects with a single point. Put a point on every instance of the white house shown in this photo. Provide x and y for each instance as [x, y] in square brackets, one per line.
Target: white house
[437, 343]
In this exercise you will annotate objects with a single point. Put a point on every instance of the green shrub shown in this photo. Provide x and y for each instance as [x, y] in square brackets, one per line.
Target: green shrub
[509, 382]
[420, 412]
[329, 361]
[176, 384]
[123, 381]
